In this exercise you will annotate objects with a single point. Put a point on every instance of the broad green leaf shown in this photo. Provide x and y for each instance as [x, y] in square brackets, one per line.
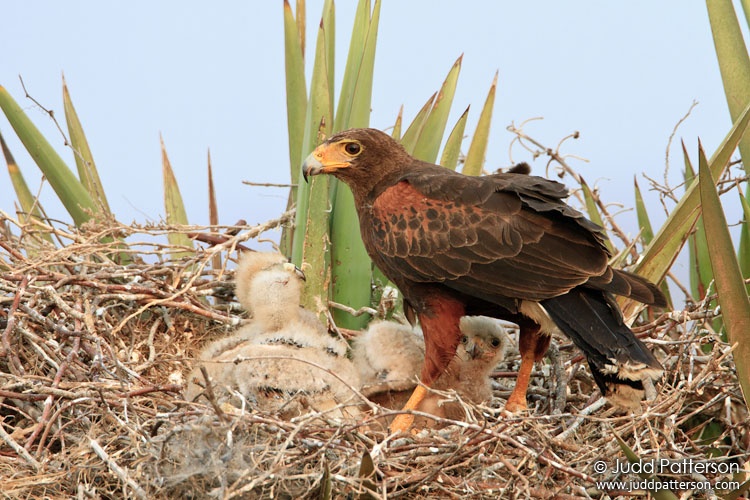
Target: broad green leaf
[87, 172]
[69, 189]
[647, 232]
[633, 458]
[428, 144]
[316, 257]
[310, 249]
[174, 206]
[478, 148]
[396, 133]
[351, 270]
[32, 210]
[744, 252]
[734, 62]
[29, 203]
[317, 120]
[452, 148]
[593, 211]
[413, 131]
[329, 24]
[695, 279]
[301, 24]
[296, 104]
[666, 245]
[354, 62]
[730, 288]
[361, 102]
[644, 222]
[296, 93]
[213, 210]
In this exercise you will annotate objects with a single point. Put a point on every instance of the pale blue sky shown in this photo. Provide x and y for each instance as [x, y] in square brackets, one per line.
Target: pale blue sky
[210, 75]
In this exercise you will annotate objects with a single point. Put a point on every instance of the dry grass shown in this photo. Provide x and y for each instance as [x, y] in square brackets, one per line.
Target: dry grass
[93, 359]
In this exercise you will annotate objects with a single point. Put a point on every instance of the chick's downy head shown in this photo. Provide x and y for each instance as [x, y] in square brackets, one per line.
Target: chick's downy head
[483, 343]
[269, 288]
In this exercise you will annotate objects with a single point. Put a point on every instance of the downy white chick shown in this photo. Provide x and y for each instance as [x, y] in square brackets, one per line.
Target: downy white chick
[482, 346]
[271, 361]
[389, 357]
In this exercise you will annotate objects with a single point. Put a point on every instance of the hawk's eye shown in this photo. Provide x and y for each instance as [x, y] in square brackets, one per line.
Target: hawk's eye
[352, 148]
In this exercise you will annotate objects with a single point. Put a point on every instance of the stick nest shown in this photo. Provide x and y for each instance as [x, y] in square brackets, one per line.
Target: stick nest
[94, 356]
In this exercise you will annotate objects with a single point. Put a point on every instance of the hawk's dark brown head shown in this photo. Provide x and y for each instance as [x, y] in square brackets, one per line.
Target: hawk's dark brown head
[360, 157]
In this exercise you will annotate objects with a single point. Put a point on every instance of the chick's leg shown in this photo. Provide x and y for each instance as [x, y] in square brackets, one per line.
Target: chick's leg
[532, 345]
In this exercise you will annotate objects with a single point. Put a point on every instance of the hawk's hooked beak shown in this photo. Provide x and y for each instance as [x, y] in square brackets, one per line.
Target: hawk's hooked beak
[326, 159]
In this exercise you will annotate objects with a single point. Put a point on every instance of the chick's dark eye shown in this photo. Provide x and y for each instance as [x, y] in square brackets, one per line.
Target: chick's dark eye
[495, 342]
[352, 148]
[464, 339]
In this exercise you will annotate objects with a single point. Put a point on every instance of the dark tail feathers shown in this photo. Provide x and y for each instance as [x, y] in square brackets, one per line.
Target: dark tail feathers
[629, 285]
[619, 361]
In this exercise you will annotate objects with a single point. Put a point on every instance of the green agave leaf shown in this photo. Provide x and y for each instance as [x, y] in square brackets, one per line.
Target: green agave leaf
[362, 97]
[644, 222]
[317, 120]
[414, 130]
[296, 104]
[87, 172]
[668, 242]
[29, 203]
[310, 249]
[700, 265]
[351, 271]
[296, 92]
[478, 148]
[452, 148]
[593, 211]
[428, 143]
[301, 23]
[633, 458]
[354, 62]
[213, 210]
[647, 232]
[732, 294]
[396, 133]
[734, 62]
[71, 192]
[329, 24]
[173, 205]
[744, 252]
[696, 289]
